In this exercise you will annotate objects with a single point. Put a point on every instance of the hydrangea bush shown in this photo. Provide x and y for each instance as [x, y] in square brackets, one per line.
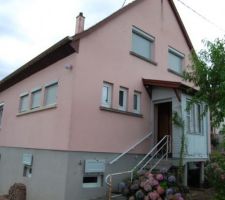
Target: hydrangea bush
[215, 173]
[148, 186]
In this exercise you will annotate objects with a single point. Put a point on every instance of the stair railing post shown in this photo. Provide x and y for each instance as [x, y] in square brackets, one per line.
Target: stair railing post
[110, 187]
[167, 147]
[132, 176]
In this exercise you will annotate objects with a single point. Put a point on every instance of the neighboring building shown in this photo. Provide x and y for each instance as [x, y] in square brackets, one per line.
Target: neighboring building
[71, 110]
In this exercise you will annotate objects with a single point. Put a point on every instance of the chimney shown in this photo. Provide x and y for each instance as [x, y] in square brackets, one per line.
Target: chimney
[79, 23]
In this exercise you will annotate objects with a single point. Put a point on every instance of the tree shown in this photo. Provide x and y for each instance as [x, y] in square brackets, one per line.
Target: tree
[207, 72]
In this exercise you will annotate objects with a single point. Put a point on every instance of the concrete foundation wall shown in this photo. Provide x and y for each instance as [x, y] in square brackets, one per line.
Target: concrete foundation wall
[57, 175]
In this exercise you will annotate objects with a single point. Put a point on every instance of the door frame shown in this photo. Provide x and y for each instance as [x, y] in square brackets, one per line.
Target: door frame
[155, 113]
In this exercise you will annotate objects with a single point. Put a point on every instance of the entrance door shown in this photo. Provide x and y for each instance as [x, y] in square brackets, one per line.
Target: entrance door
[164, 119]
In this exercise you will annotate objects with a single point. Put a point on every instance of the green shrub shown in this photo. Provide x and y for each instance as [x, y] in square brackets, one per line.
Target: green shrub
[215, 172]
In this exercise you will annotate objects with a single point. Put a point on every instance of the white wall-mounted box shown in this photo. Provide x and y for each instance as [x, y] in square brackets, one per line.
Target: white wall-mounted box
[94, 166]
[27, 159]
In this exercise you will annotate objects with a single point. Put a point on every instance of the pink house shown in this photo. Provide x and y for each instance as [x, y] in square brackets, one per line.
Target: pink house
[67, 115]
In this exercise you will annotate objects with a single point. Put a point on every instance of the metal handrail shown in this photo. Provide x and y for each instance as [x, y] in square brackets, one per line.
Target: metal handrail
[152, 157]
[153, 149]
[130, 148]
[131, 172]
[115, 174]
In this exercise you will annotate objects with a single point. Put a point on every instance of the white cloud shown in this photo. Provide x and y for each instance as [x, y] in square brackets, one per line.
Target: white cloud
[30, 27]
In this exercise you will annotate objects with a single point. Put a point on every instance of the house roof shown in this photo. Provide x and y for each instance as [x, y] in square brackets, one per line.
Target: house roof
[66, 47]
[58, 51]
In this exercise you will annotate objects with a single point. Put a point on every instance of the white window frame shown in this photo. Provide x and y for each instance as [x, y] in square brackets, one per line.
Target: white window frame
[108, 101]
[138, 109]
[45, 93]
[1, 116]
[93, 185]
[196, 120]
[124, 100]
[32, 93]
[20, 103]
[178, 55]
[138, 32]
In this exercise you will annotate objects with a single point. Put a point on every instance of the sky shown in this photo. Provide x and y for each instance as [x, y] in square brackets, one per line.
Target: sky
[28, 27]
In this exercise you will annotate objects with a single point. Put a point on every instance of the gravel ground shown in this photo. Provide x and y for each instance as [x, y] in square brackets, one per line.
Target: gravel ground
[200, 194]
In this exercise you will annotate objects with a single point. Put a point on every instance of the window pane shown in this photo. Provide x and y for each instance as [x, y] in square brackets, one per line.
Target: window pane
[36, 99]
[51, 94]
[24, 103]
[106, 94]
[123, 92]
[135, 101]
[121, 98]
[198, 119]
[1, 113]
[141, 46]
[175, 62]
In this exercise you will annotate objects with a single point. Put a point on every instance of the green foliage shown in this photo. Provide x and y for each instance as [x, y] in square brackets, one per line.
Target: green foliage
[207, 72]
[178, 121]
[215, 172]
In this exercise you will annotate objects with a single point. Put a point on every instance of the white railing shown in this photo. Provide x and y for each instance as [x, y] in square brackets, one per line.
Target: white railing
[163, 144]
[130, 148]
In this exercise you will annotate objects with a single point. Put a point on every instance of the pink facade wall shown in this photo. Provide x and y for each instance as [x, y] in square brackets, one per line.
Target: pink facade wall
[104, 56]
[77, 123]
[47, 129]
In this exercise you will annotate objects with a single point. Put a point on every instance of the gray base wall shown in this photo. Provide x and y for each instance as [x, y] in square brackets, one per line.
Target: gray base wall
[57, 175]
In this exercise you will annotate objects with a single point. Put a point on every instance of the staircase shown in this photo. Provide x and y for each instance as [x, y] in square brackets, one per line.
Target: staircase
[155, 159]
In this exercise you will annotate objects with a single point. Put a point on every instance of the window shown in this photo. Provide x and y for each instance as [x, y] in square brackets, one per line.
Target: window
[27, 171]
[27, 164]
[137, 102]
[36, 99]
[175, 60]
[92, 181]
[123, 93]
[142, 44]
[107, 95]
[1, 113]
[24, 102]
[194, 119]
[51, 94]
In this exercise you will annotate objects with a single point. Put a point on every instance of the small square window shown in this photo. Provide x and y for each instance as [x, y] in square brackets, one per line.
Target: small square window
[36, 99]
[123, 94]
[24, 103]
[51, 94]
[92, 181]
[175, 60]
[142, 44]
[137, 102]
[1, 113]
[107, 95]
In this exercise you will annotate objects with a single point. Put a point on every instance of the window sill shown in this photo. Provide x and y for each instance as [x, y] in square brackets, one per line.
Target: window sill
[143, 58]
[37, 110]
[121, 112]
[174, 72]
